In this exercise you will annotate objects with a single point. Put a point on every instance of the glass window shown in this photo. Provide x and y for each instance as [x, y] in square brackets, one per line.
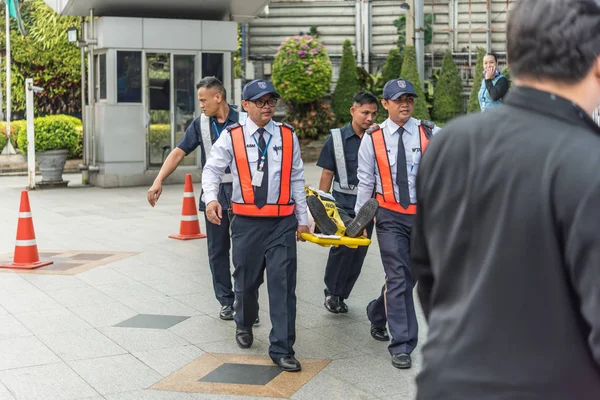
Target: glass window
[102, 76]
[212, 65]
[129, 76]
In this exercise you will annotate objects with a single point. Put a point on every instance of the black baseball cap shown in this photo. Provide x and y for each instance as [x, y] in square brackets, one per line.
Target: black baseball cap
[396, 88]
[257, 89]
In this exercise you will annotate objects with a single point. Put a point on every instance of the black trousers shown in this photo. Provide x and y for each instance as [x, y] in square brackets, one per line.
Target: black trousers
[344, 264]
[218, 258]
[396, 299]
[269, 244]
[219, 244]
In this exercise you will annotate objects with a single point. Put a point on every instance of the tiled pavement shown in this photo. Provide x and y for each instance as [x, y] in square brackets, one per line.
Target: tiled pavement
[134, 318]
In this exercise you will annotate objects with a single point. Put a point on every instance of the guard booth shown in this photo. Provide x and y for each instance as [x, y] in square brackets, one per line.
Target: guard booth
[144, 60]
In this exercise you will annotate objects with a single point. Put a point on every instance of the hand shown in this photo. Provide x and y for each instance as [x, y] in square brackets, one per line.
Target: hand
[214, 212]
[154, 193]
[490, 72]
[301, 229]
[365, 234]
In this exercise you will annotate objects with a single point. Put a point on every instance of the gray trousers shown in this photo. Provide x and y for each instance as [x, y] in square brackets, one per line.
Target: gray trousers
[266, 243]
[393, 233]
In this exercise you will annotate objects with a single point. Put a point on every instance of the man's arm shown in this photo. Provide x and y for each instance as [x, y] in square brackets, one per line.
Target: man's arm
[188, 143]
[220, 158]
[366, 172]
[327, 162]
[326, 180]
[582, 248]
[420, 261]
[297, 184]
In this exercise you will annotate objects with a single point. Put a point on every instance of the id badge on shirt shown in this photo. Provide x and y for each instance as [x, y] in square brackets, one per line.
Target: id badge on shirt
[257, 178]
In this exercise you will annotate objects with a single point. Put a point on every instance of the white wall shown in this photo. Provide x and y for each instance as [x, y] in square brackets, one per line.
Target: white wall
[165, 34]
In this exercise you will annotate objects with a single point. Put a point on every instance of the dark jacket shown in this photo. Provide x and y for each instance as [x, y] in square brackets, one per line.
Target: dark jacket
[506, 247]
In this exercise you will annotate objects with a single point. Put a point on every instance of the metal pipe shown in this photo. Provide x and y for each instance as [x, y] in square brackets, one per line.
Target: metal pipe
[358, 30]
[92, 89]
[83, 79]
[432, 35]
[420, 39]
[366, 22]
[470, 37]
[489, 27]
[8, 72]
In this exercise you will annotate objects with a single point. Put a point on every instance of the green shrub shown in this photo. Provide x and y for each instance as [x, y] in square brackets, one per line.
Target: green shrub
[160, 135]
[411, 73]
[13, 132]
[393, 65]
[19, 125]
[3, 141]
[347, 85]
[311, 120]
[506, 73]
[473, 105]
[53, 132]
[447, 99]
[301, 69]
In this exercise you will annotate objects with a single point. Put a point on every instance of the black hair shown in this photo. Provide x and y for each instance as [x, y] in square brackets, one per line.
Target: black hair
[553, 39]
[211, 82]
[493, 55]
[361, 98]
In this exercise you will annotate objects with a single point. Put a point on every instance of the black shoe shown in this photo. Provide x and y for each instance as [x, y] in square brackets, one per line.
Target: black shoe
[226, 313]
[332, 304]
[364, 217]
[257, 320]
[319, 214]
[343, 307]
[401, 361]
[379, 333]
[244, 337]
[288, 363]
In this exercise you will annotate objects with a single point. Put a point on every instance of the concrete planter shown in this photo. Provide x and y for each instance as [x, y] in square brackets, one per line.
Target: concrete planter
[52, 164]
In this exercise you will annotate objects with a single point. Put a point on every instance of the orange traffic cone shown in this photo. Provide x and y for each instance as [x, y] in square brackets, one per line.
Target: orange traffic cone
[26, 251]
[190, 227]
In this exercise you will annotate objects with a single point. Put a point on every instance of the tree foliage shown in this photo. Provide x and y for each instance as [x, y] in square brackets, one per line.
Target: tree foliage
[400, 24]
[411, 74]
[447, 98]
[473, 105]
[46, 56]
[347, 85]
[393, 65]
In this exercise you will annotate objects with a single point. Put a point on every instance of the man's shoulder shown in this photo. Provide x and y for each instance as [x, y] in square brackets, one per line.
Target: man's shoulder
[283, 124]
[374, 128]
[233, 126]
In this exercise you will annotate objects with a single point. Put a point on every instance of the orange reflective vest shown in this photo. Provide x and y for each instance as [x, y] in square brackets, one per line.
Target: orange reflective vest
[248, 208]
[387, 199]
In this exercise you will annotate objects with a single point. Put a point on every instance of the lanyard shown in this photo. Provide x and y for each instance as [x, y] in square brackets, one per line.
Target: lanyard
[217, 129]
[264, 152]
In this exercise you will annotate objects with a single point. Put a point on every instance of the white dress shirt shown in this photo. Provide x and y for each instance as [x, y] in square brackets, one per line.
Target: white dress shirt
[221, 157]
[368, 173]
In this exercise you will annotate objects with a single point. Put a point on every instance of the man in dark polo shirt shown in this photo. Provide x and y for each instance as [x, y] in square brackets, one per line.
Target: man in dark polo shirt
[203, 132]
[506, 243]
[339, 160]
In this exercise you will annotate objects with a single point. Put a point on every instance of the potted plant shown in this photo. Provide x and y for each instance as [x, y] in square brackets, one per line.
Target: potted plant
[56, 138]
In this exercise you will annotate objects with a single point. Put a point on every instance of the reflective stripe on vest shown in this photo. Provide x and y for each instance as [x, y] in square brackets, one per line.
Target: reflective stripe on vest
[248, 208]
[205, 135]
[207, 139]
[338, 188]
[387, 199]
[340, 163]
